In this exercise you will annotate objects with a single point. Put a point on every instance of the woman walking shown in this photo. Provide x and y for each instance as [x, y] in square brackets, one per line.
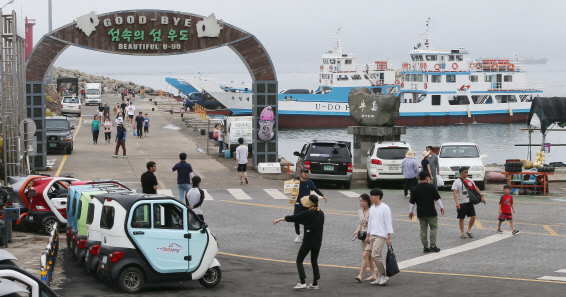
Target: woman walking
[410, 169]
[95, 129]
[363, 215]
[313, 221]
[107, 129]
[425, 163]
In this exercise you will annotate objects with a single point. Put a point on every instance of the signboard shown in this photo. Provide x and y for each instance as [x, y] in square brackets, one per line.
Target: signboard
[292, 186]
[547, 147]
[29, 126]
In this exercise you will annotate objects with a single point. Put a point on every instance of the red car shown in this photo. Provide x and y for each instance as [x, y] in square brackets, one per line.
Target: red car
[48, 202]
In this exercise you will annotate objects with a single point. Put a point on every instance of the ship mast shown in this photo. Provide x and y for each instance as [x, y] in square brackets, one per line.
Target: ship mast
[428, 35]
[338, 41]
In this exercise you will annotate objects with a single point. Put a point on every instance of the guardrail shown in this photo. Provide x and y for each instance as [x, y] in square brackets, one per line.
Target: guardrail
[49, 256]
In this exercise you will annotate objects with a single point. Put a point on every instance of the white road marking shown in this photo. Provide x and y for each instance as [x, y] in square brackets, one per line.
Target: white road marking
[166, 192]
[350, 194]
[206, 195]
[561, 271]
[276, 194]
[553, 278]
[455, 250]
[239, 194]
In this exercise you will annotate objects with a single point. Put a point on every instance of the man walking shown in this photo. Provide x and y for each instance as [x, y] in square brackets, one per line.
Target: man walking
[380, 228]
[410, 169]
[242, 159]
[148, 179]
[305, 187]
[139, 124]
[434, 167]
[184, 175]
[424, 195]
[105, 111]
[123, 108]
[120, 139]
[460, 187]
[131, 111]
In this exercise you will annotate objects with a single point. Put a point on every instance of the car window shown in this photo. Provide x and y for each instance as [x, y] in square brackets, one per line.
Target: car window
[141, 217]
[194, 220]
[74, 205]
[107, 217]
[92, 91]
[70, 100]
[57, 124]
[372, 149]
[391, 153]
[57, 190]
[459, 151]
[90, 214]
[167, 216]
[80, 209]
[329, 151]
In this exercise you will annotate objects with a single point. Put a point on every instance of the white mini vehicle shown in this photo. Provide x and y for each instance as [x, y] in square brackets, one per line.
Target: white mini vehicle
[150, 238]
[71, 104]
[454, 155]
[384, 161]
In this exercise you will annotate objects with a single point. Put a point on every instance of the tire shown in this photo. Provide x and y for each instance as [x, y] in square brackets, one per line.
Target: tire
[48, 224]
[131, 280]
[347, 185]
[211, 278]
[481, 185]
[69, 151]
[369, 183]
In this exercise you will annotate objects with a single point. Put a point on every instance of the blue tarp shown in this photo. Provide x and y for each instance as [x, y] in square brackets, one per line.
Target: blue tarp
[183, 86]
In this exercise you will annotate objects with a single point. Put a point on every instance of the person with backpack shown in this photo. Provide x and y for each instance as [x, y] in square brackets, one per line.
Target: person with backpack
[464, 207]
[195, 197]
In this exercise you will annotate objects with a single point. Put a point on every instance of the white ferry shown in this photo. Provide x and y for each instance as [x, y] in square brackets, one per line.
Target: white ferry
[448, 87]
[327, 107]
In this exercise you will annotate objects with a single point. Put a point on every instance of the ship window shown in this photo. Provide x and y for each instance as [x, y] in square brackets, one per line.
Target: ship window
[507, 78]
[487, 78]
[505, 98]
[431, 57]
[407, 77]
[342, 77]
[332, 61]
[473, 78]
[441, 58]
[458, 100]
[435, 100]
[436, 78]
[420, 58]
[356, 77]
[414, 78]
[482, 99]
[450, 58]
[459, 58]
[348, 62]
[419, 77]
[451, 78]
[376, 91]
[414, 58]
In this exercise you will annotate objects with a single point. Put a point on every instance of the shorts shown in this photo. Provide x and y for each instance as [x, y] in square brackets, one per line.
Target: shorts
[365, 246]
[242, 167]
[466, 209]
[506, 216]
[131, 116]
[145, 129]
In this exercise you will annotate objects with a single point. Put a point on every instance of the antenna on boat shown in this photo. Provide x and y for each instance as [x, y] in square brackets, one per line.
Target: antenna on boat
[338, 41]
[428, 35]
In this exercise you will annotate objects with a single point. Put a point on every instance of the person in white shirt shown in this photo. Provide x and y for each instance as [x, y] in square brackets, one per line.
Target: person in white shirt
[220, 139]
[131, 109]
[242, 159]
[379, 230]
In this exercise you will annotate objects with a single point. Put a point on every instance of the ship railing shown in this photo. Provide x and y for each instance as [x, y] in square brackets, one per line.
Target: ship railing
[530, 85]
[534, 85]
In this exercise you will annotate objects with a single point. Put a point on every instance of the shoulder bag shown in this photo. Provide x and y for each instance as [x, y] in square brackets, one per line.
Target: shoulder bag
[362, 235]
[475, 198]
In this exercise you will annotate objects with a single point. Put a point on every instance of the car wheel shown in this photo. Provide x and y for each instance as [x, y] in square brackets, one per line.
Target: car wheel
[211, 278]
[48, 225]
[369, 182]
[481, 185]
[69, 151]
[131, 280]
[347, 185]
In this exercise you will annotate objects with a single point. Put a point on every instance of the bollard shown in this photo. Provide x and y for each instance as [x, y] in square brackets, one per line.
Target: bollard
[152, 109]
[155, 103]
[288, 169]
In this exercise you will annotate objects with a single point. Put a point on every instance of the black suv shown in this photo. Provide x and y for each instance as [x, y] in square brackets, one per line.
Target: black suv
[58, 133]
[327, 161]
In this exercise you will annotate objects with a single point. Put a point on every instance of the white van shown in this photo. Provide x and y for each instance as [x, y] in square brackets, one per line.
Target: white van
[93, 93]
[237, 127]
[384, 161]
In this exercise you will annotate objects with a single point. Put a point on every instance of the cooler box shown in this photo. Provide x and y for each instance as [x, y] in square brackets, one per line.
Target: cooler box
[227, 154]
[269, 168]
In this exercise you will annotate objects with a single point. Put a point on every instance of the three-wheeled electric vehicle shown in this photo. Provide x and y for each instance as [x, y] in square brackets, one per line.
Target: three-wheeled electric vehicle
[48, 203]
[149, 238]
[9, 270]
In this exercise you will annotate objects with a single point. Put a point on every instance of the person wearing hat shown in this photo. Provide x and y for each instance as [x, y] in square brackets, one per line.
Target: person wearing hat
[305, 187]
[425, 163]
[410, 169]
[120, 139]
[313, 220]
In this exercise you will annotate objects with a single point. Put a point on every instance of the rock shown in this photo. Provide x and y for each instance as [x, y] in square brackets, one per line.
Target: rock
[373, 110]
[89, 78]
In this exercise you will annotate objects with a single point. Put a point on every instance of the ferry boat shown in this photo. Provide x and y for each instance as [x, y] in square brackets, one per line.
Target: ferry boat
[449, 87]
[327, 107]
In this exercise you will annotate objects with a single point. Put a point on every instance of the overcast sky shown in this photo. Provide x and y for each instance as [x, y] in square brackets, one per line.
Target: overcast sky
[299, 31]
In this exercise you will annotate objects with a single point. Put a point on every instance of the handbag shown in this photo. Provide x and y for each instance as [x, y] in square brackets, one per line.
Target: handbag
[475, 198]
[391, 267]
[362, 235]
[439, 181]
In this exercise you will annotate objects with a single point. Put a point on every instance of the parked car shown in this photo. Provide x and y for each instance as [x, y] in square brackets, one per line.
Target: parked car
[12, 274]
[48, 202]
[150, 238]
[71, 104]
[327, 161]
[384, 161]
[454, 155]
[58, 132]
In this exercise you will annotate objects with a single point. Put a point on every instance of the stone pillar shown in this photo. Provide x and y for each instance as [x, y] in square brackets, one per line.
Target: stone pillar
[365, 137]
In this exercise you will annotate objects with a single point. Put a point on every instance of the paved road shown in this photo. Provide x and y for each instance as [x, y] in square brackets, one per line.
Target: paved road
[257, 258]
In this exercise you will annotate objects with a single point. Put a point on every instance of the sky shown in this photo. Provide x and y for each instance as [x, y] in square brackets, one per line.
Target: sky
[295, 32]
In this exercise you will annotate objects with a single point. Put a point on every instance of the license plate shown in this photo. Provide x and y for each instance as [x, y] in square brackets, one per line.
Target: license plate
[52, 145]
[104, 259]
[329, 167]
[393, 167]
[30, 218]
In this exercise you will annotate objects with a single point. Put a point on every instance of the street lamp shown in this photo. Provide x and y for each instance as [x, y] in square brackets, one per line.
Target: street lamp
[11, 1]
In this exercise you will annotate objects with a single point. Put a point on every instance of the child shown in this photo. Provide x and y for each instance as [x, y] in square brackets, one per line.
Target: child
[146, 125]
[505, 208]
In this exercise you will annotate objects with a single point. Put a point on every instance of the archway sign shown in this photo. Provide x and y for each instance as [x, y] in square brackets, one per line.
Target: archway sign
[157, 33]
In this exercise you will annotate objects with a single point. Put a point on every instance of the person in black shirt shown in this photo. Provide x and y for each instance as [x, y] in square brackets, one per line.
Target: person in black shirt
[305, 187]
[425, 163]
[424, 195]
[313, 221]
[139, 124]
[148, 179]
[123, 106]
[120, 139]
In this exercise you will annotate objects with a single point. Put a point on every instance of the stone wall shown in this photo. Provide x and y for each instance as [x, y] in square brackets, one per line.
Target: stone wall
[105, 81]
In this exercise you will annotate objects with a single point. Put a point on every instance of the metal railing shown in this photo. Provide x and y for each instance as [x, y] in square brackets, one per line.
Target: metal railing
[49, 256]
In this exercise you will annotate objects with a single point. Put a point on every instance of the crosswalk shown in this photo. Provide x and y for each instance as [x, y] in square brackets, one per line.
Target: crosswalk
[555, 278]
[240, 194]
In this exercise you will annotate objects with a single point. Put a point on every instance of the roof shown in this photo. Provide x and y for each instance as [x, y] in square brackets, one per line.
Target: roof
[549, 110]
[128, 199]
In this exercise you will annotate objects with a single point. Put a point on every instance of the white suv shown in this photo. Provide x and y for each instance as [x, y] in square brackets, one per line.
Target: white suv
[71, 104]
[454, 155]
[384, 161]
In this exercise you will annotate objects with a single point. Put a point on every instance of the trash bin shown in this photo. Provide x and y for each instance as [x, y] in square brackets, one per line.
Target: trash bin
[202, 132]
[227, 154]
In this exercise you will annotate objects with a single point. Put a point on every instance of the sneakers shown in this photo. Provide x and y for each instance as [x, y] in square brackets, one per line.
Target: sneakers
[434, 249]
[383, 280]
[124, 156]
[301, 286]
[297, 238]
[426, 250]
[515, 232]
[375, 282]
[115, 156]
[499, 232]
[409, 196]
[311, 287]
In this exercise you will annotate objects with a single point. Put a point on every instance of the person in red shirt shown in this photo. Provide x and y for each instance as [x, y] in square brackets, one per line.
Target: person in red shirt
[506, 210]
